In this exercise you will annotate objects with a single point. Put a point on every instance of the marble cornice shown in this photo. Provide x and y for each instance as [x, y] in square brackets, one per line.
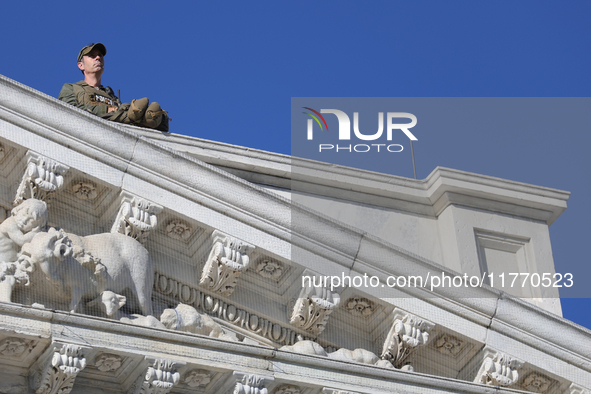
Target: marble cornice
[200, 351]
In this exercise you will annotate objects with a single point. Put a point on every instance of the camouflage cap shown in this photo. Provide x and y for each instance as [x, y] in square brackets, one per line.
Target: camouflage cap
[86, 50]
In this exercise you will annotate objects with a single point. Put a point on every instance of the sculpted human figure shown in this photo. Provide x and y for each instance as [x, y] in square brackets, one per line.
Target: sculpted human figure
[90, 95]
[26, 220]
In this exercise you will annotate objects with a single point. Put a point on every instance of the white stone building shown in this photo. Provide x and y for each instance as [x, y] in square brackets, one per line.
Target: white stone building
[230, 237]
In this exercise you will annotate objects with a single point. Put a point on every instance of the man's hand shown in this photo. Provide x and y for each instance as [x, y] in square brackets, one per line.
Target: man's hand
[111, 109]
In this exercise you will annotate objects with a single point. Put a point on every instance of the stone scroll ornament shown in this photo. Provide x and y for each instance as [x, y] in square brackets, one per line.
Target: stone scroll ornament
[407, 333]
[42, 178]
[61, 368]
[498, 369]
[251, 384]
[312, 309]
[160, 377]
[229, 257]
[136, 218]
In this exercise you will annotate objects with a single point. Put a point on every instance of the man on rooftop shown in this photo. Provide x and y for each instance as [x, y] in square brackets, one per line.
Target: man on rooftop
[90, 95]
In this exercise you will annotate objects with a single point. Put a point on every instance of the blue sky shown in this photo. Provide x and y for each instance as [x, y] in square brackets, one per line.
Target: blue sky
[226, 71]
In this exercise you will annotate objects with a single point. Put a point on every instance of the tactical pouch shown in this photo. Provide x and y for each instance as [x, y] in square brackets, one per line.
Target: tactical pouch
[120, 115]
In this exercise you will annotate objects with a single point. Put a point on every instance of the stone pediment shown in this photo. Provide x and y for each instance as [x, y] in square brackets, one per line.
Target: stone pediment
[235, 252]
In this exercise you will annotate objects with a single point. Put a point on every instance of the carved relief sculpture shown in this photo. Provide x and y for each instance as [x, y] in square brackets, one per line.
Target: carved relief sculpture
[498, 369]
[61, 369]
[227, 260]
[42, 178]
[312, 309]
[125, 265]
[136, 218]
[407, 332]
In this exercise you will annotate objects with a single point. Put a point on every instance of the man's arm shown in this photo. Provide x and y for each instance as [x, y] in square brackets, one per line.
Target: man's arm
[67, 95]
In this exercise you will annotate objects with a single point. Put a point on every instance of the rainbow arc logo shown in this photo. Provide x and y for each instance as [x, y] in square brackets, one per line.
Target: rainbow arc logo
[315, 118]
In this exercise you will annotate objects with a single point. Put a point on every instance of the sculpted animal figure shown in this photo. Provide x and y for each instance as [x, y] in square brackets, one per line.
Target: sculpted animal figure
[186, 318]
[109, 303]
[81, 268]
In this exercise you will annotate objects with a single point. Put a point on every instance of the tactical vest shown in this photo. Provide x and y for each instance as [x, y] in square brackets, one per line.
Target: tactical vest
[88, 95]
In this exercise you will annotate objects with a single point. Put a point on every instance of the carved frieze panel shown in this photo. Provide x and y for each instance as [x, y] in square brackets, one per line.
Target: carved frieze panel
[160, 377]
[15, 348]
[179, 229]
[359, 306]
[251, 383]
[498, 369]
[228, 258]
[42, 178]
[197, 377]
[270, 269]
[287, 389]
[59, 369]
[449, 345]
[537, 383]
[84, 189]
[136, 217]
[313, 307]
[107, 362]
[407, 333]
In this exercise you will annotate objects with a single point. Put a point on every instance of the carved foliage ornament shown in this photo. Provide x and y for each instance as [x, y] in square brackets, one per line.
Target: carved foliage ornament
[197, 377]
[136, 218]
[498, 369]
[407, 333]
[313, 307]
[227, 260]
[42, 178]
[59, 375]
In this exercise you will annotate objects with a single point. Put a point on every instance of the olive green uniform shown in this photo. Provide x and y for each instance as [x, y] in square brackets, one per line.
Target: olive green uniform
[98, 100]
